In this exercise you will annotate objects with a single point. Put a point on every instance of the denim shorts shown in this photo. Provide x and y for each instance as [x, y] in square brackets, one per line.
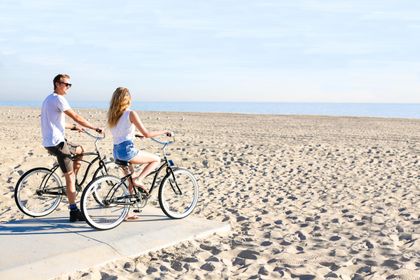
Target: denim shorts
[125, 150]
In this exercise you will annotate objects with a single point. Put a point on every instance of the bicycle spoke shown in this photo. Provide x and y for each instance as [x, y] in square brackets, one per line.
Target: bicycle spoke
[105, 202]
[38, 192]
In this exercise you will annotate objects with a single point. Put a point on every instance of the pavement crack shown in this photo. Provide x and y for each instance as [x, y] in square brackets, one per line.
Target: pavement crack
[97, 240]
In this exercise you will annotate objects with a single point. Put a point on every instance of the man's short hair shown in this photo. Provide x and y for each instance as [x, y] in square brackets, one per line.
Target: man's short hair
[58, 79]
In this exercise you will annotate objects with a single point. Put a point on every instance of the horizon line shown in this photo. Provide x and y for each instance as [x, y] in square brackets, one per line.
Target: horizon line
[230, 101]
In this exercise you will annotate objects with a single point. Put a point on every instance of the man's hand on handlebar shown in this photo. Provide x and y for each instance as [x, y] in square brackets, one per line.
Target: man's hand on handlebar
[82, 129]
[77, 128]
[99, 130]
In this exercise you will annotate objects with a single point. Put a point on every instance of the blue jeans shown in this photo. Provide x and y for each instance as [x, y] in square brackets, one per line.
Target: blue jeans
[125, 151]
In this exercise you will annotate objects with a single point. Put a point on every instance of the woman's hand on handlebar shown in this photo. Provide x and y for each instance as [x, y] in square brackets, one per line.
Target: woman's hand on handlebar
[166, 133]
[138, 135]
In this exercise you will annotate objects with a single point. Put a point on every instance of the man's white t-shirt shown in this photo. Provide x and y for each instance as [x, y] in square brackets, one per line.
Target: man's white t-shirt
[52, 119]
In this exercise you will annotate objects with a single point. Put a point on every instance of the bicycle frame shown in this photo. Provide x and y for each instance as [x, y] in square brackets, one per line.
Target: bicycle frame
[108, 199]
[90, 163]
[78, 184]
[45, 180]
[152, 187]
[169, 170]
[167, 163]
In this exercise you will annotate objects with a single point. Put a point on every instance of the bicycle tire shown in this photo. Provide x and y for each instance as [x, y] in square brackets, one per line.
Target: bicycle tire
[106, 169]
[178, 198]
[105, 203]
[31, 199]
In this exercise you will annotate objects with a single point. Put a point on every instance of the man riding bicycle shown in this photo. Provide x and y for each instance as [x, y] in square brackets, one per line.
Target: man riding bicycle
[53, 125]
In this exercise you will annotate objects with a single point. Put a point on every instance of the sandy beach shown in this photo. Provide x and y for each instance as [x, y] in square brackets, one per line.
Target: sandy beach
[307, 197]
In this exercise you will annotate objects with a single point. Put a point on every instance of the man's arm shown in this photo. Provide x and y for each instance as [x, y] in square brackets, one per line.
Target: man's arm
[80, 120]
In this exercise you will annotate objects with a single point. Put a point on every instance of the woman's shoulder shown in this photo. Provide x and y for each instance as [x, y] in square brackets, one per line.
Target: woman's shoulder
[131, 112]
[133, 115]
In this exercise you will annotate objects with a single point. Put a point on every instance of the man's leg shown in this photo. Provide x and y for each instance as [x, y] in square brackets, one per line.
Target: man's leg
[62, 152]
[76, 150]
[70, 176]
[70, 187]
[75, 213]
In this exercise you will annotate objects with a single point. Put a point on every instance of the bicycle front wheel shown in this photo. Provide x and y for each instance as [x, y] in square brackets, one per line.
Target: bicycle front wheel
[38, 192]
[178, 193]
[105, 202]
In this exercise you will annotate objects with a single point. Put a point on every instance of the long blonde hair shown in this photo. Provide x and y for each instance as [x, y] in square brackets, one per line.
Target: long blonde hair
[120, 101]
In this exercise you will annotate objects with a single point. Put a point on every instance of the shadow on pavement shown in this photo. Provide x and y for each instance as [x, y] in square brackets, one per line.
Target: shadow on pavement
[59, 225]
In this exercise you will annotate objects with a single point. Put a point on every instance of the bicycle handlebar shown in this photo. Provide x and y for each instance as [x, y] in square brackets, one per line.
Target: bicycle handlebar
[162, 142]
[158, 141]
[96, 137]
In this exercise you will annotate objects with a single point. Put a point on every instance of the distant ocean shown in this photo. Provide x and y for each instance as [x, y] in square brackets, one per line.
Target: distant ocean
[386, 110]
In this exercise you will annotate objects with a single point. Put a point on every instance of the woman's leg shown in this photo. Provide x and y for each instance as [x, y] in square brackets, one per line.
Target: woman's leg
[150, 160]
[129, 170]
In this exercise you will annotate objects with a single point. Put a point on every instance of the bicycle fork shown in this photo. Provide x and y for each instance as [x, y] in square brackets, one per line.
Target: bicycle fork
[174, 184]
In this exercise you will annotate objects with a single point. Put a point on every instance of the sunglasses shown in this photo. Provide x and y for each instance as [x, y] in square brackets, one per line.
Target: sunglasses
[66, 84]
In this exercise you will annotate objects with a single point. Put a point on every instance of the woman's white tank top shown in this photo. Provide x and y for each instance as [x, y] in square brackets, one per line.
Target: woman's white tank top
[124, 130]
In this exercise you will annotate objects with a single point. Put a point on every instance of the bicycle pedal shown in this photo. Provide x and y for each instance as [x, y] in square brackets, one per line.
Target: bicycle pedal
[137, 211]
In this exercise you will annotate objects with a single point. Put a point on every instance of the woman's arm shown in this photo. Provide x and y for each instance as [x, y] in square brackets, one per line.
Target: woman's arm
[134, 118]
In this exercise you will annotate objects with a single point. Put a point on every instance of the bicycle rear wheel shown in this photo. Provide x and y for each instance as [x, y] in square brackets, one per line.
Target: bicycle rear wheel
[105, 202]
[178, 193]
[38, 192]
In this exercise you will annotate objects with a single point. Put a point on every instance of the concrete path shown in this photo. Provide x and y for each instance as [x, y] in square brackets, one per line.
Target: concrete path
[44, 248]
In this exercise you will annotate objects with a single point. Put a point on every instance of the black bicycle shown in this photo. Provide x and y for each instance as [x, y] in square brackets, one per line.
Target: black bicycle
[106, 201]
[39, 191]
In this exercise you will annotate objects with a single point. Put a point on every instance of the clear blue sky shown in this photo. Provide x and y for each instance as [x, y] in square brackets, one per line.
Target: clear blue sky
[245, 50]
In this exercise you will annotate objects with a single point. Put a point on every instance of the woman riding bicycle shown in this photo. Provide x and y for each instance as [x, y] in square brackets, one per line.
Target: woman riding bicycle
[123, 123]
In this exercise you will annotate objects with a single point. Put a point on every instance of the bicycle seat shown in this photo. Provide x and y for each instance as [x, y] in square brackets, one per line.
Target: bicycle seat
[121, 162]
